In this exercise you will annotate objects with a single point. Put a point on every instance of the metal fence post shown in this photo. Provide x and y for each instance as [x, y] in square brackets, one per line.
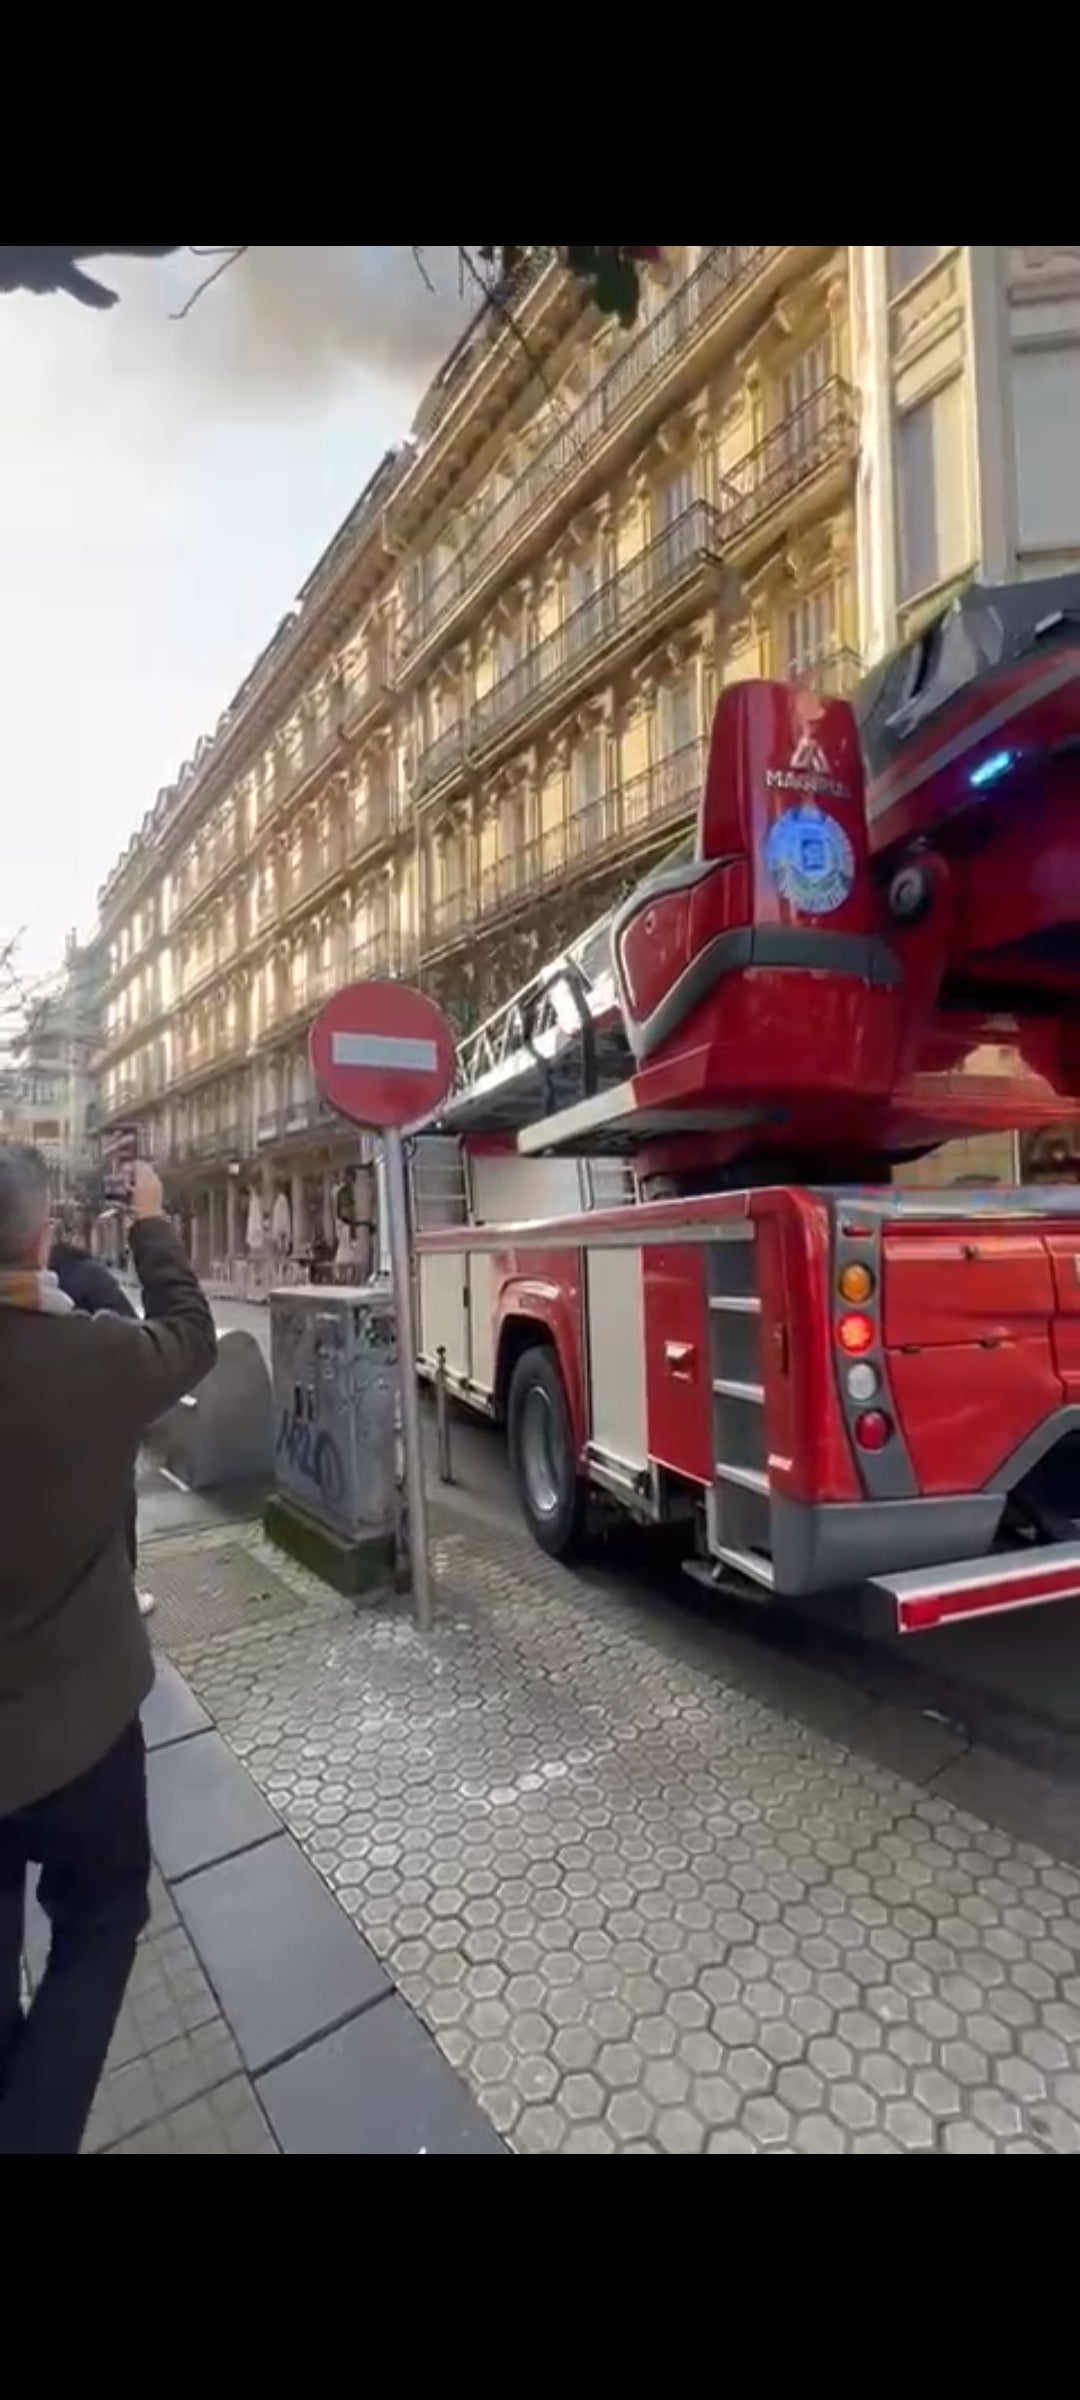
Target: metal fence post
[442, 1419]
[412, 1433]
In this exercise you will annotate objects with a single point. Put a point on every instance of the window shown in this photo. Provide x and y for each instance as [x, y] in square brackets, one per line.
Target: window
[610, 1183]
[906, 265]
[673, 500]
[440, 1198]
[451, 867]
[583, 581]
[514, 826]
[931, 455]
[587, 774]
[1046, 408]
[588, 607]
[508, 651]
[804, 404]
[809, 633]
[677, 716]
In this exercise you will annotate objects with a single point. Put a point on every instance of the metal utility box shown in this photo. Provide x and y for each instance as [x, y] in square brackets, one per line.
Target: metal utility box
[335, 1375]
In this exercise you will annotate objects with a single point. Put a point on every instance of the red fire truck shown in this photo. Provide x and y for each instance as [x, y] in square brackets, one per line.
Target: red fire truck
[660, 1231]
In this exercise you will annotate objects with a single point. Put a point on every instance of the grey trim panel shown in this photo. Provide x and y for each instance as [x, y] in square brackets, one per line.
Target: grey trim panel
[884, 1474]
[832, 1548]
[684, 876]
[1031, 1453]
[943, 1206]
[864, 957]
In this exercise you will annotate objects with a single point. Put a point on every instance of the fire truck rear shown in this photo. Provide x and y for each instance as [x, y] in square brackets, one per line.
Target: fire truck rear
[659, 1232]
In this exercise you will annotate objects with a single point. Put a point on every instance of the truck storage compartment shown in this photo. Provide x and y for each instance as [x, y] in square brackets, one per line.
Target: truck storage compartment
[964, 1287]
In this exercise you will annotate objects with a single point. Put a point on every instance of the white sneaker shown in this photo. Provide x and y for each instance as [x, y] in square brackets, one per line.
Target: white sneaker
[147, 1603]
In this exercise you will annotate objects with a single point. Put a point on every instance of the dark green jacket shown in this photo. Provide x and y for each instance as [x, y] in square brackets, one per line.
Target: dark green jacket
[77, 1393]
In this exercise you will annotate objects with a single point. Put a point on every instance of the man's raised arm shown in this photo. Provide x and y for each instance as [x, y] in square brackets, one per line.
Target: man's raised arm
[176, 1345]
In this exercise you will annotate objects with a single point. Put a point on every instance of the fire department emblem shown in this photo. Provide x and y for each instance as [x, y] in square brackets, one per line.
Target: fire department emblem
[810, 860]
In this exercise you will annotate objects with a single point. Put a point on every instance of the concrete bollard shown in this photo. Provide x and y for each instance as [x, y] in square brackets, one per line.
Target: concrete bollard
[224, 1433]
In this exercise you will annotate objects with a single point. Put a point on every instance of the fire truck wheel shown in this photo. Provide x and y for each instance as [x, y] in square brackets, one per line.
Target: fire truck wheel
[542, 1454]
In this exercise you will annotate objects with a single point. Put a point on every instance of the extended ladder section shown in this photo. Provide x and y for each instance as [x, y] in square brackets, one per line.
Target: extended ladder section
[559, 1043]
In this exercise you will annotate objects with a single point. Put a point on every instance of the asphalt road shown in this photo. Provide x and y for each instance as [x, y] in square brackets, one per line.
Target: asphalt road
[1014, 1684]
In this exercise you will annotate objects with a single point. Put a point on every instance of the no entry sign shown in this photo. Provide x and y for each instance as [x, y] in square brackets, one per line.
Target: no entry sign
[383, 1055]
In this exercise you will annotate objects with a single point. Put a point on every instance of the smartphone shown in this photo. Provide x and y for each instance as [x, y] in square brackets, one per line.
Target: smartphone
[118, 1166]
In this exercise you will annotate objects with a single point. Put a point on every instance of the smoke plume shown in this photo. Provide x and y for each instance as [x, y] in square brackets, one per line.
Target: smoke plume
[285, 321]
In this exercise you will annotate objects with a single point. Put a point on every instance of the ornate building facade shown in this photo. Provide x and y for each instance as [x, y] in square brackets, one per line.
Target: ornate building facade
[487, 713]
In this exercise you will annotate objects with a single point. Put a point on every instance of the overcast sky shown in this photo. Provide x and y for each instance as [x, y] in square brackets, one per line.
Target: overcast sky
[164, 490]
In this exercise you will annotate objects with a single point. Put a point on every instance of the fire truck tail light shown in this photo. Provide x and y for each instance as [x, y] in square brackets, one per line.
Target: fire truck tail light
[862, 1384]
[855, 1334]
[874, 1431]
[856, 1286]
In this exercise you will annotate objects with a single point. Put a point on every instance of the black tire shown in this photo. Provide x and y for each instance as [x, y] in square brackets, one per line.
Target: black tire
[553, 1498]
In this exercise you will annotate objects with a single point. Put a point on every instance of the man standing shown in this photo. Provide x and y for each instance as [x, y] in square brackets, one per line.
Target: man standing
[77, 1393]
[92, 1287]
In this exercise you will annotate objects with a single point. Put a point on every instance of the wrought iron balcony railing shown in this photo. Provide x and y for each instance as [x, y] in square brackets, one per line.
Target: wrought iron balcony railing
[209, 1143]
[390, 952]
[312, 756]
[216, 858]
[617, 607]
[367, 695]
[816, 436]
[443, 754]
[722, 274]
[129, 1094]
[201, 972]
[613, 612]
[320, 867]
[613, 826]
[308, 1116]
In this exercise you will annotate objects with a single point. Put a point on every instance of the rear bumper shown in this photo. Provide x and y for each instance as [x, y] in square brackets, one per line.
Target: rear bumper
[959, 1594]
[830, 1549]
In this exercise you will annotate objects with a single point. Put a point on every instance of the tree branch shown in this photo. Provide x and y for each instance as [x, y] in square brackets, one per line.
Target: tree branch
[231, 258]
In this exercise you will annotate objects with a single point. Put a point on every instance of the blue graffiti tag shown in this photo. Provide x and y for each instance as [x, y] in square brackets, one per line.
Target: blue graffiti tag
[313, 1456]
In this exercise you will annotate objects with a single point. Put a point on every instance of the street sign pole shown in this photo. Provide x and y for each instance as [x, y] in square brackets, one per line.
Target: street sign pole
[397, 1210]
[383, 1056]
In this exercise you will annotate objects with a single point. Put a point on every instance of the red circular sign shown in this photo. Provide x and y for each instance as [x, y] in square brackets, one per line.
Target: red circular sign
[383, 1055]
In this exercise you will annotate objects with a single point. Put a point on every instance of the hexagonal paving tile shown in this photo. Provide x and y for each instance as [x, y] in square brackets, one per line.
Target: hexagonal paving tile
[642, 1912]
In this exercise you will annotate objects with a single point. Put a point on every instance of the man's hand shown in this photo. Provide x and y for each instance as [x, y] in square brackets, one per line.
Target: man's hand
[147, 1196]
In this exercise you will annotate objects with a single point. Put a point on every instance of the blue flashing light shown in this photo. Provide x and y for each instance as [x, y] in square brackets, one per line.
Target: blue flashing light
[992, 769]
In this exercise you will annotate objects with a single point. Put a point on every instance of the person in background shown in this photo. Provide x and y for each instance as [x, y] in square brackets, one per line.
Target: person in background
[94, 1290]
[77, 1394]
[322, 1258]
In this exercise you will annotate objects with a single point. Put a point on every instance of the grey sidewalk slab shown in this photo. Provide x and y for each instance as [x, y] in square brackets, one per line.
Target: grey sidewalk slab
[227, 2123]
[172, 1713]
[203, 1806]
[376, 2088]
[285, 1961]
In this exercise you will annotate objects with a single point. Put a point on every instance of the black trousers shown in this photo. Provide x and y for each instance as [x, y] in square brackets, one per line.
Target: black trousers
[92, 1844]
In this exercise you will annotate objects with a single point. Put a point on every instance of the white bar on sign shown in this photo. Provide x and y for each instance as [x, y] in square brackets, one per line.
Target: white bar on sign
[381, 1050]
